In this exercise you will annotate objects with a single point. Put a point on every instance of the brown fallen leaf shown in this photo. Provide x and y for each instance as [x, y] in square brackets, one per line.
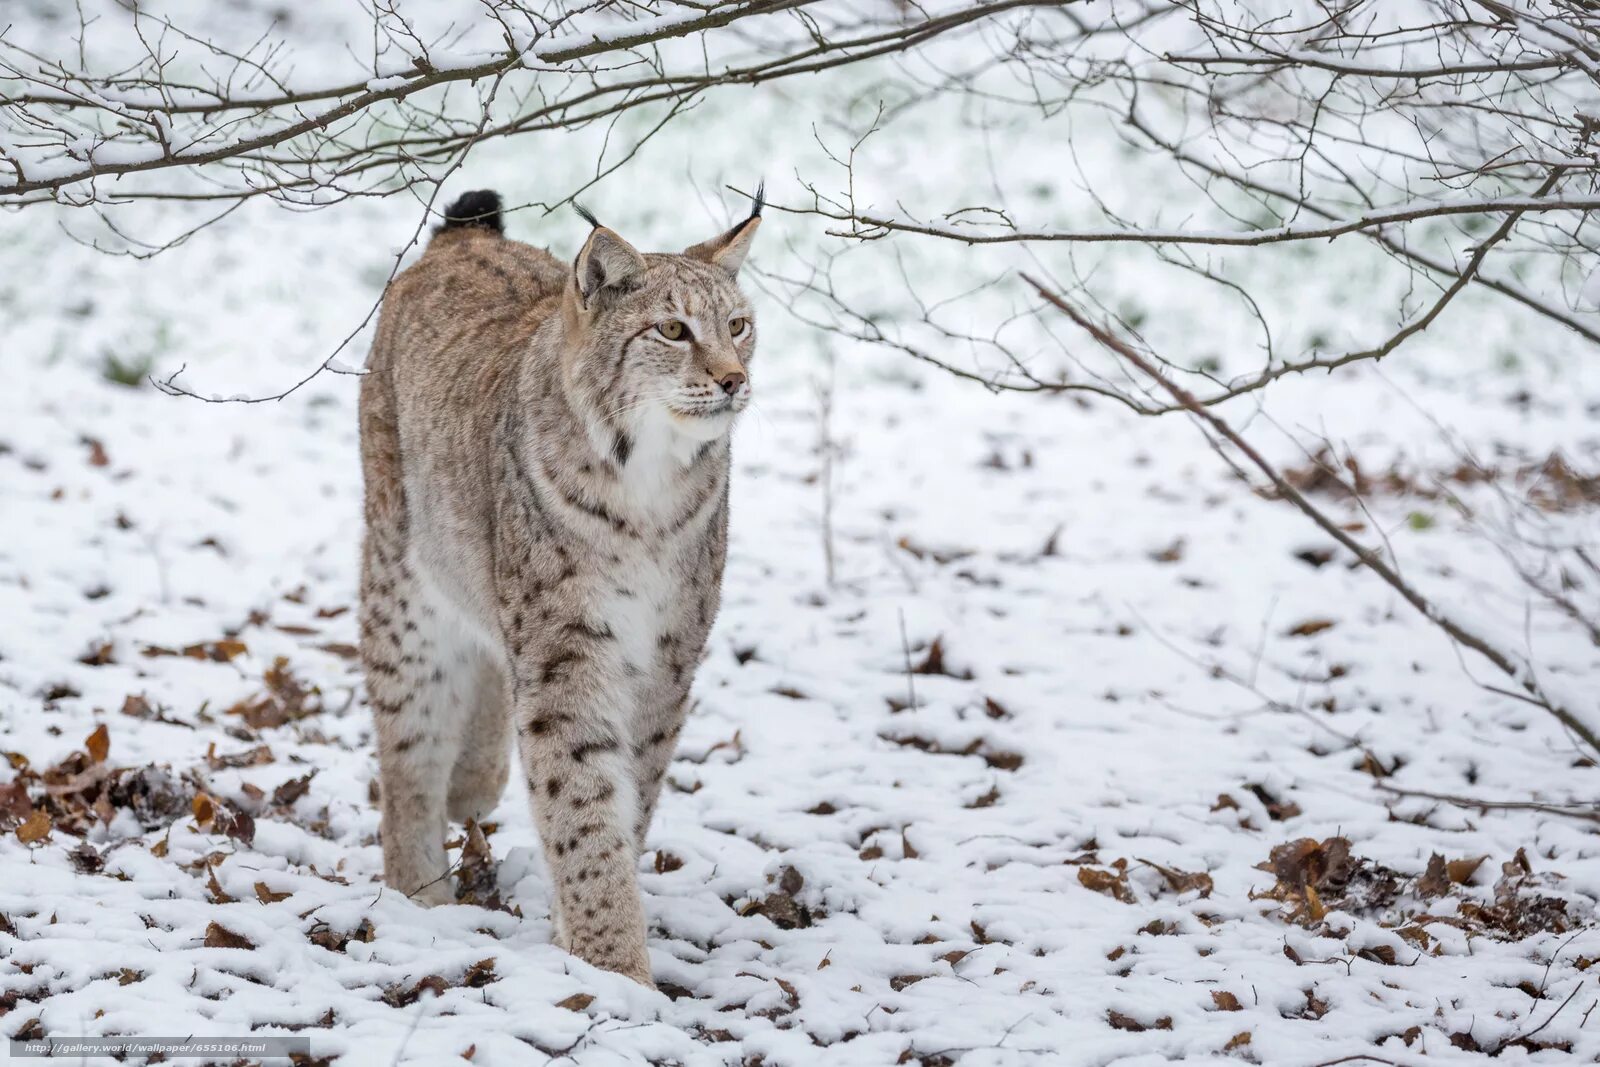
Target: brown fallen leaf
[1435, 881]
[480, 974]
[219, 936]
[1183, 881]
[292, 790]
[267, 896]
[86, 859]
[1173, 553]
[1225, 1001]
[1309, 627]
[933, 663]
[1462, 870]
[99, 654]
[98, 743]
[401, 995]
[576, 1002]
[36, 828]
[250, 757]
[1239, 1040]
[15, 804]
[477, 874]
[214, 887]
[1120, 1021]
[1111, 883]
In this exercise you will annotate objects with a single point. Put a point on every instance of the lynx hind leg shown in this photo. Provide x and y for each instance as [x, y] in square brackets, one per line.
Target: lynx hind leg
[418, 691]
[483, 763]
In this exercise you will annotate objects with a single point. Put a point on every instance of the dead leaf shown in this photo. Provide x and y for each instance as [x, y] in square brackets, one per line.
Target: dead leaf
[250, 757]
[938, 555]
[99, 743]
[214, 887]
[99, 655]
[480, 974]
[1225, 1001]
[933, 663]
[86, 859]
[35, 828]
[1173, 553]
[267, 896]
[1309, 627]
[1435, 881]
[477, 875]
[1111, 883]
[1120, 1021]
[292, 790]
[576, 1002]
[1383, 954]
[401, 995]
[1277, 810]
[15, 804]
[1239, 1040]
[987, 800]
[1183, 881]
[219, 936]
[1462, 870]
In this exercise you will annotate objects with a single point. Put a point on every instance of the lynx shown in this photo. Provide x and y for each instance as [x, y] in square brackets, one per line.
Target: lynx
[546, 458]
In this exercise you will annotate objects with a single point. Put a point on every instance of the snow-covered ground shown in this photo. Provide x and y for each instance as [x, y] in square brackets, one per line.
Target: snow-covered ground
[1021, 785]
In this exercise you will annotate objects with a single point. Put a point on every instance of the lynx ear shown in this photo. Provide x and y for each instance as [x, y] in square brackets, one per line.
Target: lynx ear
[728, 251]
[606, 264]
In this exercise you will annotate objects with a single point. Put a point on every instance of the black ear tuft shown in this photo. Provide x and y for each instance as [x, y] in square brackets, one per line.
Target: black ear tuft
[478, 208]
[761, 200]
[587, 215]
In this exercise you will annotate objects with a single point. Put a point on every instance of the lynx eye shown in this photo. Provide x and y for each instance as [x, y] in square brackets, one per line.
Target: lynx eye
[673, 330]
[738, 326]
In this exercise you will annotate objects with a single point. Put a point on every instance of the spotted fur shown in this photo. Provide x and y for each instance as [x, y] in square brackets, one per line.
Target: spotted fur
[546, 523]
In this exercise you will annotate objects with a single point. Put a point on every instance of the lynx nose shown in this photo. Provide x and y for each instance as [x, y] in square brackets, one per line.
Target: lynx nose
[731, 381]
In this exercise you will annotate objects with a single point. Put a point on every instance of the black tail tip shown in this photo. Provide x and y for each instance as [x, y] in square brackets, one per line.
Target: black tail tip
[478, 208]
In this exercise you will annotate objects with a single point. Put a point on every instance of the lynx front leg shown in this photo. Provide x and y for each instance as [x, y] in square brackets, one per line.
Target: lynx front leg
[579, 773]
[655, 740]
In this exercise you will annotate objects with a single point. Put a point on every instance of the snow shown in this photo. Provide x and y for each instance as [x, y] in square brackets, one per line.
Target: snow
[852, 864]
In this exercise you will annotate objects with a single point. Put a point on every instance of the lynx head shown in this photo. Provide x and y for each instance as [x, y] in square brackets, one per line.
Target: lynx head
[666, 335]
